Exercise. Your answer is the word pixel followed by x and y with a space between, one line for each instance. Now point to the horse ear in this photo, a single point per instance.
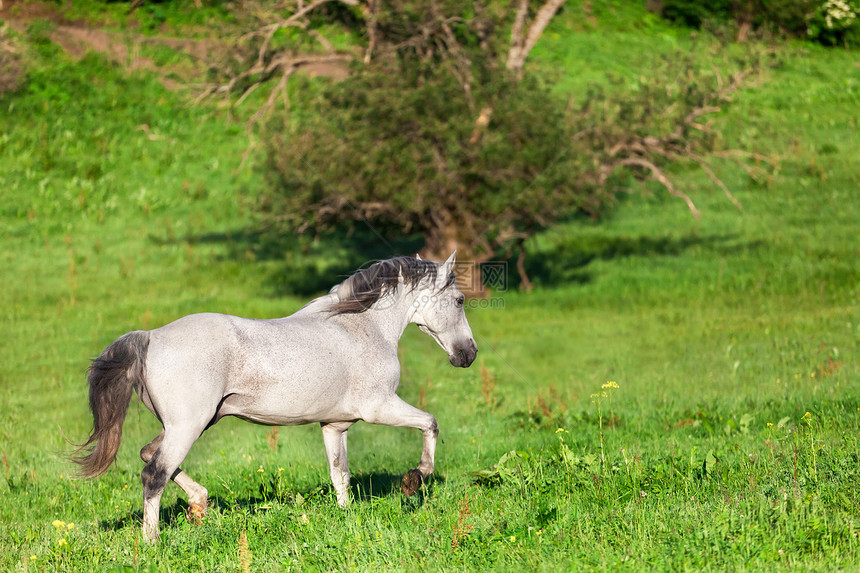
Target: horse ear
pixel 447 267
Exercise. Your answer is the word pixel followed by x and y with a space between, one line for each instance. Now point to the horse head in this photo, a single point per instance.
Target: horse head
pixel 439 312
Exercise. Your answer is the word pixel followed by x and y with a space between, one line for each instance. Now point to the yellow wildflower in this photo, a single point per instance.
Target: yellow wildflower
pixel 58 524
pixel 611 385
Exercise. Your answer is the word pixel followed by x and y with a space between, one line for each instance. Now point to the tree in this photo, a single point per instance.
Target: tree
pixel 440 130
pixel 437 133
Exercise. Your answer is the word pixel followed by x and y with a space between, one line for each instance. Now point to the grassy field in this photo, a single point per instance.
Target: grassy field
pixel 730 442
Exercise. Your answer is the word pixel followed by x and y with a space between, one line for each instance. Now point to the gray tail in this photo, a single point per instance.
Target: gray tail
pixel 112 376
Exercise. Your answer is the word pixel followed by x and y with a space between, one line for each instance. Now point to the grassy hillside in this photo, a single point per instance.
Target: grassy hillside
pixel 731 441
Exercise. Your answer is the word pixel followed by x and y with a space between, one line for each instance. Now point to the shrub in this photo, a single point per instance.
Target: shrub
pixel 829 22
pixel 835 22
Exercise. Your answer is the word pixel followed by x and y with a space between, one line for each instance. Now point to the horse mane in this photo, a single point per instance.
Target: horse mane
pixel 363 288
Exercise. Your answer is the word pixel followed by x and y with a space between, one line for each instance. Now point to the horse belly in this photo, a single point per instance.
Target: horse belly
pixel 275 410
pixel 289 397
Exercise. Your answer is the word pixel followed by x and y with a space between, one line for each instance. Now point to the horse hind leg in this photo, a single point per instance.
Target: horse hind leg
pixel 198 496
pixel 164 454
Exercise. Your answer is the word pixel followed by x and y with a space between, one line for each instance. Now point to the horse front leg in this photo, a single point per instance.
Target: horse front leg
pixel 334 438
pixel 396 412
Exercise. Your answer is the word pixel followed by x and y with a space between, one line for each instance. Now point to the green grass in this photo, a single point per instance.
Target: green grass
pixel 721 334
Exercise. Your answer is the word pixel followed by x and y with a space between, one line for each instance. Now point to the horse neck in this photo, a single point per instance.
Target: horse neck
pixel 391 316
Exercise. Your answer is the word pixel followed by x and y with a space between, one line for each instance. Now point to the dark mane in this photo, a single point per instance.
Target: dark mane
pixel 363 288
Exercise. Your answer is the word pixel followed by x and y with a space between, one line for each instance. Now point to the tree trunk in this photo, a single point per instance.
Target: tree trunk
pixel 654 6
pixel 525 283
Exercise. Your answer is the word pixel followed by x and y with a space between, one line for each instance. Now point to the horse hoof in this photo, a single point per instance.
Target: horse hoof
pixel 195 513
pixel 411 482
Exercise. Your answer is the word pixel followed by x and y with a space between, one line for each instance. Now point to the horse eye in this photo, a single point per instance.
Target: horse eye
pixel 461 300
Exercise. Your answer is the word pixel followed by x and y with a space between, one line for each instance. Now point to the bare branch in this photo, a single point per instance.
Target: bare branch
pixel 371 23
pixel 286 65
pixel 463 66
pixel 520 48
pixel 661 178
pixel 542 20
pixel 245 95
pixel 322 40
pixel 481 124
pixel 294 20
pixel 267 107
pixel 518 32
pixel 735 153
pixel 719 182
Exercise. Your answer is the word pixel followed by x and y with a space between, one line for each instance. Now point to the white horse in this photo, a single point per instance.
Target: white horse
pixel 333 362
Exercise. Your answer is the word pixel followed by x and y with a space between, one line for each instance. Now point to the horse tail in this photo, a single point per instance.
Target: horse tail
pixel 112 377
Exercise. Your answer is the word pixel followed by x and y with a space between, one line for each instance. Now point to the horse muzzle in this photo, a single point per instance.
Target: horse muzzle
pixel 464 354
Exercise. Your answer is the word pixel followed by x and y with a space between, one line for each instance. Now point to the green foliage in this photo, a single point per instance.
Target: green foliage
pixel 829 22
pixel 694 14
pixel 787 16
pixel 400 152
pixel 154 16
